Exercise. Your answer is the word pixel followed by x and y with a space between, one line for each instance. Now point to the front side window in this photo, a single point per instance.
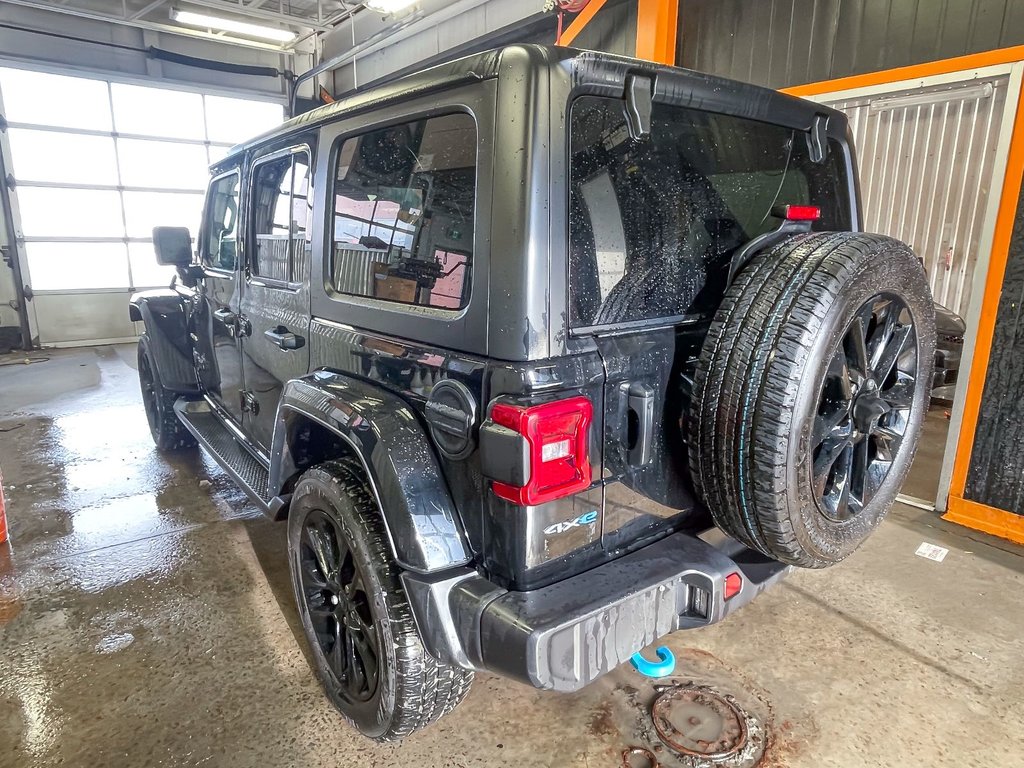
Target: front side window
pixel 282 211
pixel 653 223
pixel 404 201
pixel 220 230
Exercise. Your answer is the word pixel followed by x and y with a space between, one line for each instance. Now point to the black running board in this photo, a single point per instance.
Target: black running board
pixel 228 450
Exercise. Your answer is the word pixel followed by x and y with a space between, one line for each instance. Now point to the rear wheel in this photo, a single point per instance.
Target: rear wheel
pixel 810 393
pixel 168 432
pixel 364 642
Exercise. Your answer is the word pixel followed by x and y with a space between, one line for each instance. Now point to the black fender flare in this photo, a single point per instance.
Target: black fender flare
pixel 165 314
pixel 401 466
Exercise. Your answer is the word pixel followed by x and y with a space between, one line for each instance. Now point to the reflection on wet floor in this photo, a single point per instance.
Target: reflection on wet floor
pixel 146 619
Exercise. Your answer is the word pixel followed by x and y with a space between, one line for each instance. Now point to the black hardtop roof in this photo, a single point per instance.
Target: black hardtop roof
pixel 702 90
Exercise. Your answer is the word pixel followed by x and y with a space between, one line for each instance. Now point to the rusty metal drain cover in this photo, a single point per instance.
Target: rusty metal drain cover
pixel 699 722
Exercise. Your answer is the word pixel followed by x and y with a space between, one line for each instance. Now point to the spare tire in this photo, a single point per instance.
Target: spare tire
pixel 810 393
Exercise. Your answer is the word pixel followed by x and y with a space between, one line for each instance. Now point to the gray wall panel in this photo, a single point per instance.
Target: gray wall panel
pixel 788 42
pixel 613 29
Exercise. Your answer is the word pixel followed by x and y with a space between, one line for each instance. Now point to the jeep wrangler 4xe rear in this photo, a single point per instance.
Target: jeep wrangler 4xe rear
pixel 543 354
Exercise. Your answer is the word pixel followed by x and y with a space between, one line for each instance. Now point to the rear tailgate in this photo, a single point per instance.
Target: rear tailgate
pixel 653 224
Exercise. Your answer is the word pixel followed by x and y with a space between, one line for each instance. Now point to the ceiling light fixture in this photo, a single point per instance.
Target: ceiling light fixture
pixel 388 6
pixel 230 25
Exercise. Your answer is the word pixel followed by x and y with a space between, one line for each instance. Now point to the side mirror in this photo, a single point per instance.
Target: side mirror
pixel 173 246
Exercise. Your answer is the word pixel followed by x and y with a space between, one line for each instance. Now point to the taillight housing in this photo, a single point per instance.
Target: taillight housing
pixel 556 453
pixel 798 212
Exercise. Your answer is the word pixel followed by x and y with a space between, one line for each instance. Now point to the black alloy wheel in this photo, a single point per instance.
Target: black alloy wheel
pixel 150 396
pixel 864 408
pixel 169 434
pixel 339 607
pixel 364 642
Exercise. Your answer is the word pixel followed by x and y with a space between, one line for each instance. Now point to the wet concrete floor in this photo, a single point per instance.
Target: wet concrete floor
pixel 146 620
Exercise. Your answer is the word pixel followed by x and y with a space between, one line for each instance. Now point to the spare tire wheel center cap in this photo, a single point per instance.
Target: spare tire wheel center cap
pixel 868 409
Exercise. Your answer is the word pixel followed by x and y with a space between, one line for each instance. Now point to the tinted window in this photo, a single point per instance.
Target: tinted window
pixel 403 213
pixel 282 210
pixel 220 239
pixel 653 223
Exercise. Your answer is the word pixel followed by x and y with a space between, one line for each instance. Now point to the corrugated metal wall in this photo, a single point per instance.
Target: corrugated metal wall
pixel 352 269
pixel 926 171
pixel 789 42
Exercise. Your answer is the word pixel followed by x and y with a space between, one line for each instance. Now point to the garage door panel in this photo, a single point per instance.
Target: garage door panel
pixel 63 157
pixel 83 317
pixel 60 212
pixel 140 109
pixel 95 170
pixel 162 164
pixel 76 266
pixel 83 103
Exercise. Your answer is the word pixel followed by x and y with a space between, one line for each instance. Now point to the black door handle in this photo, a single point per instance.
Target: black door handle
pixel 284 338
pixel 640 399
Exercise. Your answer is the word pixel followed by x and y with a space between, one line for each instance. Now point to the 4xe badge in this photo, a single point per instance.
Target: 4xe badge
pixel 567 525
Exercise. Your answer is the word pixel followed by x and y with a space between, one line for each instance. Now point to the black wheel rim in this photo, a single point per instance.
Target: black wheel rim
pixel 149 395
pixel 335 597
pixel 864 408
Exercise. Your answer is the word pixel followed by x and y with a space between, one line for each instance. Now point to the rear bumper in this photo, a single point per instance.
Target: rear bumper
pixel 566 635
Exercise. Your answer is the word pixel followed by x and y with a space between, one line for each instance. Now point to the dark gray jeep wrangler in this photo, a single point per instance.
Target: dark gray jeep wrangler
pixel 543 354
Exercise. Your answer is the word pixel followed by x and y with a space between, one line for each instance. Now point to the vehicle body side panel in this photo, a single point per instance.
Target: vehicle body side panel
pixel 400 463
pixel 520 260
pixel 269 305
pixel 465 329
pixel 525 547
pixel 166 314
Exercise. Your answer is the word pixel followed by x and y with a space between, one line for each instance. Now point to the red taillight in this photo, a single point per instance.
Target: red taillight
pixel 733 585
pixel 556 434
pixel 801 212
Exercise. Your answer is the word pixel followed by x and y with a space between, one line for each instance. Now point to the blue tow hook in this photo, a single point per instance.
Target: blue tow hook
pixel 662 668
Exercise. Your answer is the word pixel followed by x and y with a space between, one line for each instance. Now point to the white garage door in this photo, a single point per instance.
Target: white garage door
pixel 96 165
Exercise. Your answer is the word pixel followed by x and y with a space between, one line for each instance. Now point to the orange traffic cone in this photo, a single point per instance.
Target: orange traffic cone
pixel 10 605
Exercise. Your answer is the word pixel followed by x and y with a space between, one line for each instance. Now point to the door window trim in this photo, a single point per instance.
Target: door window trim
pixel 251 278
pixel 339 297
pixel 201 242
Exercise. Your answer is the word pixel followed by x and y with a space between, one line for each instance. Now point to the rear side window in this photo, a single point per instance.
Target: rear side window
pixel 282 212
pixel 220 229
pixel 403 213
pixel 652 223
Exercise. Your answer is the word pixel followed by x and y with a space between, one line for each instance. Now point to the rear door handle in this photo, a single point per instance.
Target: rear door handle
pixel 284 338
pixel 640 401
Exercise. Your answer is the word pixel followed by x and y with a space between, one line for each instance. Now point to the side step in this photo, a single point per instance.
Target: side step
pixel 227 450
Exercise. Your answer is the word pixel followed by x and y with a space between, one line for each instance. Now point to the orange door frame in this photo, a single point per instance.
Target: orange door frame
pixel 657 27
pixel 960 510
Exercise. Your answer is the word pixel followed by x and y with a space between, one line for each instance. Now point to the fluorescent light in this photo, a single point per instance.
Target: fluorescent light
pixel 980 91
pixel 388 6
pixel 230 25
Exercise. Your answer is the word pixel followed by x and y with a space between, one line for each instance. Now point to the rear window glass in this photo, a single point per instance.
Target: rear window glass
pixel 403 213
pixel 652 223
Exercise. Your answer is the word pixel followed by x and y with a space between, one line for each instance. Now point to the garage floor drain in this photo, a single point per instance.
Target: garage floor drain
pixel 699 722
